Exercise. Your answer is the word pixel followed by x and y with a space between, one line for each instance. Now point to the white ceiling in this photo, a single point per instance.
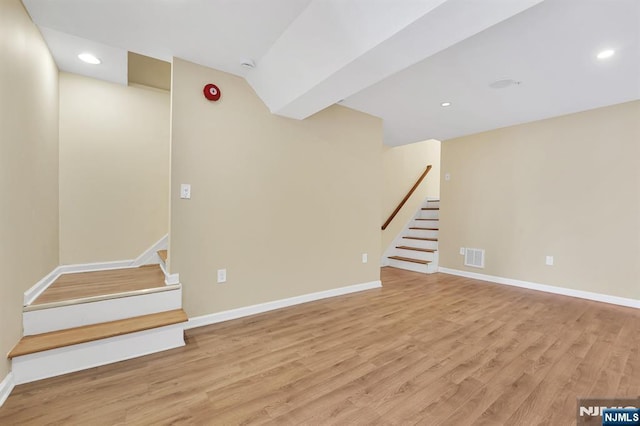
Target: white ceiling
pixel 551 48
pixel 396 59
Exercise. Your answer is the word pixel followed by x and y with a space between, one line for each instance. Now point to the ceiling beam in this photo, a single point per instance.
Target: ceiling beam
pixel 336 48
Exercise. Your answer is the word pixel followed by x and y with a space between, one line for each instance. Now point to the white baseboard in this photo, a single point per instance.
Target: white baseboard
pixel 150 256
pixel 55 362
pixel 37 289
pixel 598 297
pixel 6 386
pixel 277 304
pixel 97 266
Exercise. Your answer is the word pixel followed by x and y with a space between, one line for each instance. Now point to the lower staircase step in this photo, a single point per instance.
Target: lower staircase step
pixel 416 249
pixel 431 208
pixel 408 259
pixel 423 229
pixel 73 336
pixel 100 283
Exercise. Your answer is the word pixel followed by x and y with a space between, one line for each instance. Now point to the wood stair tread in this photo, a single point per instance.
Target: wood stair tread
pixel 431 208
pixel 424 229
pixel 88 333
pixel 427 219
pixel 409 259
pixel 100 283
pixel 163 255
pixel 416 249
pixel 421 239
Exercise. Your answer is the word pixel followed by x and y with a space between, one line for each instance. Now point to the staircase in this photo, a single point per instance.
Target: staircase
pixel 86 319
pixel 416 248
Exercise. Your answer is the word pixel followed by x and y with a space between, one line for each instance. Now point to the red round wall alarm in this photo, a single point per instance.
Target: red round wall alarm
pixel 211 92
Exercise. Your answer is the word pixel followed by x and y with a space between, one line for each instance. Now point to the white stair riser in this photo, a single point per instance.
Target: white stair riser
pixel 410 266
pixel 413 254
pixel 428 214
pixel 64 317
pixel 422 233
pixel 419 243
pixel 415 267
pixel 55 362
pixel 426 223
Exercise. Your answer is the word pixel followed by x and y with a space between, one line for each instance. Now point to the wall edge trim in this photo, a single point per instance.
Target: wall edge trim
pixel 150 255
pixel 245 311
pixel 6 386
pixel 581 294
pixel 36 290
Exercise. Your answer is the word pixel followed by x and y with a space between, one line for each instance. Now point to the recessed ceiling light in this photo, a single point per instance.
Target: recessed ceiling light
pixel 89 58
pixel 605 54
pixel 445 104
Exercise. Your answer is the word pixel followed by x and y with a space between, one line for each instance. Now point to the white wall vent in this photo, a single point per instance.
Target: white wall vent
pixel 474 257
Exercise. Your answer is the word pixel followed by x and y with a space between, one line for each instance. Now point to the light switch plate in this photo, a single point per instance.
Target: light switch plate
pixel 185 191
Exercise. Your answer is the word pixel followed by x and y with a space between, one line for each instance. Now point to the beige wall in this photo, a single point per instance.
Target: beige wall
pixel 114 169
pixel 287 206
pixel 28 167
pixel 567 187
pixel 401 168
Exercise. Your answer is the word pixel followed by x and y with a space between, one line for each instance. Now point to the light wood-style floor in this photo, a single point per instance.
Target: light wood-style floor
pixel 426 349
pixel 74 286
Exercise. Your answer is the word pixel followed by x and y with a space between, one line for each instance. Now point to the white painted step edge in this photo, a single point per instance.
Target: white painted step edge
pixel 55 362
pixel 105 310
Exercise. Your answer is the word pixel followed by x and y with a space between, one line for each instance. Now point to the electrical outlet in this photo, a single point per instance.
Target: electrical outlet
pixel 222 275
pixel 462 251
pixel 549 261
pixel 365 258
